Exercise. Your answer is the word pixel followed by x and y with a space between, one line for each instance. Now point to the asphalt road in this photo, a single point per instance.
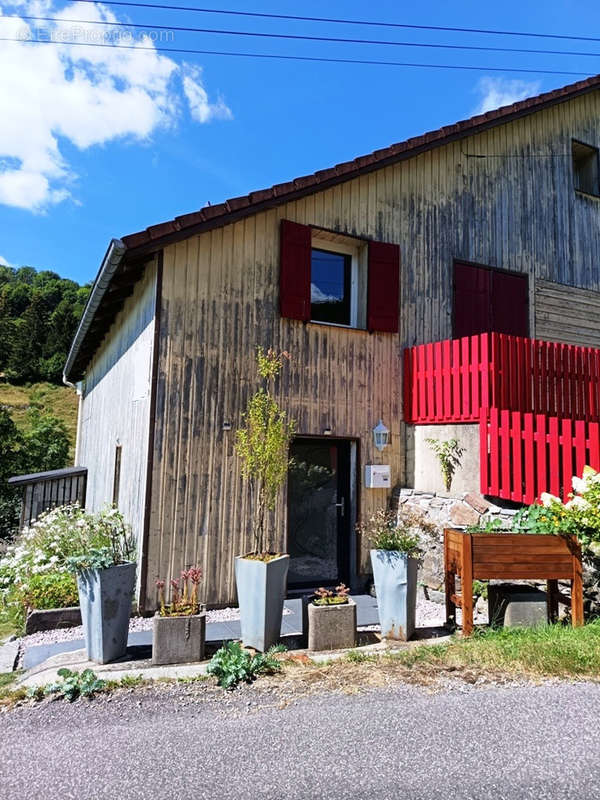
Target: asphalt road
pixel 502 742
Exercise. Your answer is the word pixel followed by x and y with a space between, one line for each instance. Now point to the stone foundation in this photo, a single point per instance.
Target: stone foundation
pixel 438 511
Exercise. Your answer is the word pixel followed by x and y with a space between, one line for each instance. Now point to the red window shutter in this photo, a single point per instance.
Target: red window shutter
pixel 472 300
pixel 294 270
pixel 510 303
pixel 383 287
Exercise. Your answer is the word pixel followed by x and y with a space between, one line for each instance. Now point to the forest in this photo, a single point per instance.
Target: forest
pixel 39 313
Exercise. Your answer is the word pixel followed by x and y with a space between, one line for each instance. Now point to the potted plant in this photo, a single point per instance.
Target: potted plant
pixel 263 447
pixel 179 627
pixel 106 573
pixel 394 557
pixel 331 619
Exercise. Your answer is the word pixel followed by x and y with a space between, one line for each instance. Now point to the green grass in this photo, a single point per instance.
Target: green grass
pixel 549 650
pixel 6 628
pixel 61 401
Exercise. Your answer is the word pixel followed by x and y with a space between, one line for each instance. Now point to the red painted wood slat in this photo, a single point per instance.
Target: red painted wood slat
pixel 529 459
pixel 554 456
pixel 567 458
pixel 516 456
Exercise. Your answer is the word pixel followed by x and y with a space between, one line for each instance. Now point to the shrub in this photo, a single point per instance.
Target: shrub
pixel 48 547
pixel 76 684
pixel 385 531
pixel 449 455
pixel 231 664
pixel 52 590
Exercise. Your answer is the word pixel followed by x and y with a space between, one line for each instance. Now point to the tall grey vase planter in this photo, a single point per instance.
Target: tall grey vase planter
pixel 105 597
pixel 261 588
pixel 395 576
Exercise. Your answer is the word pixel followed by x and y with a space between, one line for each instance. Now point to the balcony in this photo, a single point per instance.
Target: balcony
pixel 537 404
pixel 453 380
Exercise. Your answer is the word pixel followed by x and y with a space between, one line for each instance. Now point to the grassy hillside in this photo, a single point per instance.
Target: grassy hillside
pixel 61 401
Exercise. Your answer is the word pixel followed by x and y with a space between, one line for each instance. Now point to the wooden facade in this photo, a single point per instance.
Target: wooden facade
pixel 114 407
pixel 503 198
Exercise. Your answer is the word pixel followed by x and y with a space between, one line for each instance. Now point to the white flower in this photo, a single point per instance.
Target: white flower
pixel 548 499
pixel 577 502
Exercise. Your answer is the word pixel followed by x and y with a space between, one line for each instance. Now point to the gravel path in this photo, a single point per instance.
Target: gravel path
pixel 135 624
pixel 469 743
pixel 429 615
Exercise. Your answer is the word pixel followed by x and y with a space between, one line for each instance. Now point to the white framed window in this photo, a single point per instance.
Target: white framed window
pixel 338 280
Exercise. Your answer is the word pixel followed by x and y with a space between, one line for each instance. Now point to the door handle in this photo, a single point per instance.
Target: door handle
pixel 341 506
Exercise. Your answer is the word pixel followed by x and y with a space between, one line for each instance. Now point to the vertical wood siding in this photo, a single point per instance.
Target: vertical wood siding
pixel 115 406
pixel 515 209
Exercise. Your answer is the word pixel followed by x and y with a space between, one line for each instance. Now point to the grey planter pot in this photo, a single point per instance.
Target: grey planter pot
pixel 332 627
pixel 179 640
pixel 395 576
pixel 105 597
pixel 261 588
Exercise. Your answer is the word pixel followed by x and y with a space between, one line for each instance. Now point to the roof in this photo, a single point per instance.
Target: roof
pixel 114 285
pixel 209 217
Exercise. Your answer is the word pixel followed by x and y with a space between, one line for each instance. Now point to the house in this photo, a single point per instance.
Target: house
pixel 488 225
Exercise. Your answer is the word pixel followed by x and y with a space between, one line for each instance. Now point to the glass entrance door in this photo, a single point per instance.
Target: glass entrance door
pixel 319 512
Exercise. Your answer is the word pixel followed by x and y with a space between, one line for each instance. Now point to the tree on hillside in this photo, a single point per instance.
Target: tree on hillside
pixel 43 446
pixel 10 464
pixel 39 314
pixel 29 338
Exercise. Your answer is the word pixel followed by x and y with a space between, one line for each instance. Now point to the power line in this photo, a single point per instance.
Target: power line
pixel 371 62
pixel 302 37
pixel 337 21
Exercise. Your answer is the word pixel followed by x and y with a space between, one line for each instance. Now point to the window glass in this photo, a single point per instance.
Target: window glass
pixel 330 276
pixel 585 168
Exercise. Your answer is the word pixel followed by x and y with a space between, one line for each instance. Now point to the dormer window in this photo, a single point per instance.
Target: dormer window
pixel 585 168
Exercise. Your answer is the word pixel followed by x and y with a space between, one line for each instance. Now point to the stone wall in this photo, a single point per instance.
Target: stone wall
pixel 438 511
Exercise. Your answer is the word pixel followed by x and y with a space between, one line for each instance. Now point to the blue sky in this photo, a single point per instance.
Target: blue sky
pixel 96 143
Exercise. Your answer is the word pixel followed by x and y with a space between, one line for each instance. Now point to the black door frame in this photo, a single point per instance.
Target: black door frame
pixel 347 539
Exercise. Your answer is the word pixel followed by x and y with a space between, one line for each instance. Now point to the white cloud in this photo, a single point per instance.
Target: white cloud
pixel 53 94
pixel 200 107
pixel 498 92
pixel 4 262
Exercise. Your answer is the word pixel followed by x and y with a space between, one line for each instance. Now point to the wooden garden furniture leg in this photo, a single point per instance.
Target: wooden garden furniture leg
pixel 577 594
pixel 449 585
pixel 466 586
pixel 552 600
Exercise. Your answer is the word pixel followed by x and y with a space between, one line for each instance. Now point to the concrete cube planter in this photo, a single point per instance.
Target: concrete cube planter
pixel 261 588
pixel 105 597
pixel 395 576
pixel 179 640
pixel 332 627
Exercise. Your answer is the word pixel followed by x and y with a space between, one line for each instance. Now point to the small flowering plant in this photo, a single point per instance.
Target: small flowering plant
pixel 331 597
pixel 184 594
pixel 580 514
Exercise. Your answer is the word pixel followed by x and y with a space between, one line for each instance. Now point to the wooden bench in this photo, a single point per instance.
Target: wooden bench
pixel 511 556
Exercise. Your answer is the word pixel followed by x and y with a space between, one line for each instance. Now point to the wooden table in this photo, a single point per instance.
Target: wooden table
pixel 511 556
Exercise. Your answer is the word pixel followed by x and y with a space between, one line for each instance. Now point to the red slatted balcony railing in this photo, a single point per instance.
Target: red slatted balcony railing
pixel 454 380
pixel 523 455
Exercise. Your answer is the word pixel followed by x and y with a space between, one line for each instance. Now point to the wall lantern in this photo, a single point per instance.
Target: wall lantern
pixel 381 435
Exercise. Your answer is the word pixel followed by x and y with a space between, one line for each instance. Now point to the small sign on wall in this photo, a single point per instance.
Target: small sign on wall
pixel 377 476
